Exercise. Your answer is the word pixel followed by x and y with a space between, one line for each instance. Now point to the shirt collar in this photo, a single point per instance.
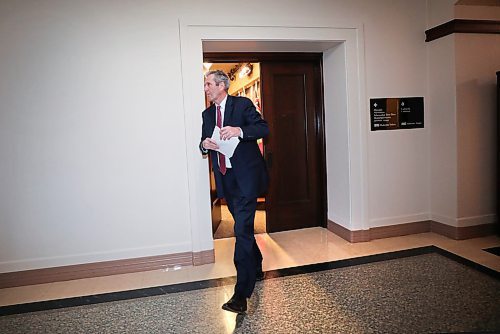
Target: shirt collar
pixel 223 103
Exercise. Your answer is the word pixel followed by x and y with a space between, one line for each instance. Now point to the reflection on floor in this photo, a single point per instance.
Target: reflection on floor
pixel 280 250
pixel 226 227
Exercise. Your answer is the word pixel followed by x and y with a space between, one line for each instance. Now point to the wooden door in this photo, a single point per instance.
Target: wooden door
pixel 293 107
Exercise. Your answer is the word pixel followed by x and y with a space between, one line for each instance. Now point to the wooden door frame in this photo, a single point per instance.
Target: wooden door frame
pixel 256 57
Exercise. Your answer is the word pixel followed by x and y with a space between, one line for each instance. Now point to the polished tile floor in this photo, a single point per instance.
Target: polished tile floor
pixel 280 250
pixel 226 226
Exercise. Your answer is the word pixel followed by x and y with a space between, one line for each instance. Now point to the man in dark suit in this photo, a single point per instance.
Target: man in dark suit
pixel 239 179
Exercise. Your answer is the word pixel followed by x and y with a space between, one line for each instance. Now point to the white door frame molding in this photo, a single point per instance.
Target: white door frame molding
pixel 192 36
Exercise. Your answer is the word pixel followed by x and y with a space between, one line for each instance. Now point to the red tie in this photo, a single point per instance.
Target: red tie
pixel 221 157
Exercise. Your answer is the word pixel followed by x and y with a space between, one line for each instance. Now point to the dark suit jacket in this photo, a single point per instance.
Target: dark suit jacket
pixel 247 162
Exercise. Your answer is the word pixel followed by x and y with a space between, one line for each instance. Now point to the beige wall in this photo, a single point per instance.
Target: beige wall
pixel 462 98
pixel 476 11
pixel 477 61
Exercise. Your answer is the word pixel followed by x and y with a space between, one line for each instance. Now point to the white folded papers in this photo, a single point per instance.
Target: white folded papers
pixel 227 146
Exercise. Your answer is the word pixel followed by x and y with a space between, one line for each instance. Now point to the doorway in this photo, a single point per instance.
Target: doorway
pixel 345 103
pixel 289 93
pixel 244 81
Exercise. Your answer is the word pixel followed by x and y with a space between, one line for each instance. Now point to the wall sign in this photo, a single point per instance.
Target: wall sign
pixel 397 113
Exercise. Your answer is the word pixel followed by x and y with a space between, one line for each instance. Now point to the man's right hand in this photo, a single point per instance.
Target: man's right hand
pixel 210 144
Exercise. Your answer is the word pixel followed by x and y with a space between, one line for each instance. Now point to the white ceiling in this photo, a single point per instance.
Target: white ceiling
pixel 267 46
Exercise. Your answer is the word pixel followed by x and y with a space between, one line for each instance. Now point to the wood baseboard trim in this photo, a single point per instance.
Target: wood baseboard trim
pixel 462 233
pixel 204 257
pixel 106 268
pixel 346 234
pixel 457 233
pixel 399 230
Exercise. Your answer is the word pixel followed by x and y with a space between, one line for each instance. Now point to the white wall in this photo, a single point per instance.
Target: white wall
pixel 91 123
pixel 93 116
pixel 439 12
pixel 398 159
pixel 443 127
pixel 337 136
pixel 442 117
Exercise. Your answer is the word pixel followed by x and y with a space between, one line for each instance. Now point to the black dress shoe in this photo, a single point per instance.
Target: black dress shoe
pixel 236 305
pixel 259 276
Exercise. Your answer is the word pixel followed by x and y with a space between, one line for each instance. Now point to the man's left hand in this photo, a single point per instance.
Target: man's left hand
pixel 228 132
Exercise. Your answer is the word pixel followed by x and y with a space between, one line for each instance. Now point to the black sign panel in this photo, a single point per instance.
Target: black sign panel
pixel 397 113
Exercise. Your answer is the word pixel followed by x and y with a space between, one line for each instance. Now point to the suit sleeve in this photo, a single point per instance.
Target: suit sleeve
pixel 204 135
pixel 254 126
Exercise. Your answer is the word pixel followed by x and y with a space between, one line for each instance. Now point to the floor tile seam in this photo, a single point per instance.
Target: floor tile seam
pixel 184 286
pixel 194 285
pixel 468 262
pixel 475 255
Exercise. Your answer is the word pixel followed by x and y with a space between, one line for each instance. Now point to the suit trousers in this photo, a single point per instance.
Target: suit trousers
pixel 247 255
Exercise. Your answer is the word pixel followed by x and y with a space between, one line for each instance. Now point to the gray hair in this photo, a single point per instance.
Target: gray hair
pixel 219 76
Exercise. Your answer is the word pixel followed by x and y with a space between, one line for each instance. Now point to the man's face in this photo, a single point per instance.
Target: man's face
pixel 215 93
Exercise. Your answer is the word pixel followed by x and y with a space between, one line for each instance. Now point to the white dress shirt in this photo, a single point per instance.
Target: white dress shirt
pixel 222 110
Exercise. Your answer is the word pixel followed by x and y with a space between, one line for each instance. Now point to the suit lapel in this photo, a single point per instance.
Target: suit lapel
pixel 211 116
pixel 228 112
